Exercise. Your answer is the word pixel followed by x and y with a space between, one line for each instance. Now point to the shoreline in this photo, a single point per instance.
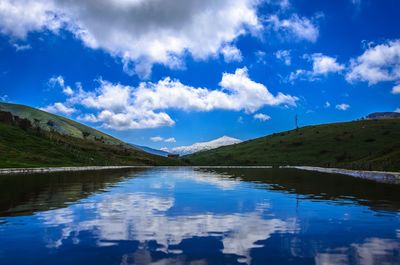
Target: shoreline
pixel 378 176
pixel 6 171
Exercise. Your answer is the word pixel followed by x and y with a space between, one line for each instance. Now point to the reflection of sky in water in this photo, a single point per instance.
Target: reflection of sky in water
pixel 180 216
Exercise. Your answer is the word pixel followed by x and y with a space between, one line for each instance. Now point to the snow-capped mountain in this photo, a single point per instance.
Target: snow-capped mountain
pixel 202 146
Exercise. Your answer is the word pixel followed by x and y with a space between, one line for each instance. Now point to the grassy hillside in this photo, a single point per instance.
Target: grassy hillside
pixel 35 146
pixel 51 122
pixel 367 144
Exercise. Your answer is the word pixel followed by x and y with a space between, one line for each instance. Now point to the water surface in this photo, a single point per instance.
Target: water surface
pixel 188 216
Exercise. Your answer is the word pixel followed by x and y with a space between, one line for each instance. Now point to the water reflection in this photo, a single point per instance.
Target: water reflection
pixel 28 193
pixel 183 216
pixel 322 186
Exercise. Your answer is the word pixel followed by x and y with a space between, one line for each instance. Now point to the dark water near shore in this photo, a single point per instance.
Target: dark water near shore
pixel 185 216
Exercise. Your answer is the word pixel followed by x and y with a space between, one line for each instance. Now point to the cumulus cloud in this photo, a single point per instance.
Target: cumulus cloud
pixel 378 63
pixel 59 108
pixel 322 65
pixel 141 33
pixel 300 28
pixel 231 54
pixel 18 18
pixel 342 106
pixel 162 139
pixel 284 56
pixel 156 139
pixel 125 107
pixel 396 89
pixel 59 81
pixel 202 146
pixel 170 140
pixel 327 104
pixel 262 117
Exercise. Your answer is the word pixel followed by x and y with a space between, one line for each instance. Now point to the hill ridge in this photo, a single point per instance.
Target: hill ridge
pixel 363 144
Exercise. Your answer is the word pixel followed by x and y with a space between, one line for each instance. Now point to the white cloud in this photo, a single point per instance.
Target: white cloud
pixel 300 28
pixel 396 89
pixel 125 107
pixel 162 139
pixel 18 18
pixel 231 54
pixel 144 33
pixel 284 56
pixel 157 139
pixel 322 65
pixel 327 104
pixel 143 217
pixel 202 146
pixel 397 110
pixel 260 56
pixel 59 108
pixel 366 252
pixel 170 140
pixel 261 117
pixel 377 64
pixel 4 98
pixel 88 118
pixel 59 81
pixel 342 106
pixel 22 47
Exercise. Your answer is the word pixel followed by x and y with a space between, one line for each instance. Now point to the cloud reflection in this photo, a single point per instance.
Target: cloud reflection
pixel 144 217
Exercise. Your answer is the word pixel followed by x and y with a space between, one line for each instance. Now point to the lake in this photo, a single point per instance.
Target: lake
pixel 198 216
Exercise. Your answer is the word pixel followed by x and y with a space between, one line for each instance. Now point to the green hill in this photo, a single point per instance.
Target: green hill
pixel 365 144
pixel 33 138
pixel 51 122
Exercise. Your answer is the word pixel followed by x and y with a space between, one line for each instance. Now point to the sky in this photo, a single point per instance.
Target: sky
pixel 172 73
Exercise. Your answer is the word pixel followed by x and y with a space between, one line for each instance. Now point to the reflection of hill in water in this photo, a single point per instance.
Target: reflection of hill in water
pixel 322 186
pixel 26 194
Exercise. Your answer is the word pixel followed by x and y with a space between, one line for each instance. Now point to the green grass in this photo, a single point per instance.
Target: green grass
pixel 64 143
pixel 367 144
pixel 61 125
pixel 19 148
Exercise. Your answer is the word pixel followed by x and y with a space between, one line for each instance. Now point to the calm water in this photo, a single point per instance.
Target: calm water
pixel 186 216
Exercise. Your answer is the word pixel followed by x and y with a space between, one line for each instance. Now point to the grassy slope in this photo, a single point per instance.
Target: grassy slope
pixel 369 144
pixel 65 145
pixel 61 125
pixel 19 148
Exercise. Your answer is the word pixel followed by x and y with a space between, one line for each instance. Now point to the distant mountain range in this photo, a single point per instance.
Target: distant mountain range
pixel 151 150
pixel 203 146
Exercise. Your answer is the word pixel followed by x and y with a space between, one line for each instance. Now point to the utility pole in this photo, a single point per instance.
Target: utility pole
pixel 296 122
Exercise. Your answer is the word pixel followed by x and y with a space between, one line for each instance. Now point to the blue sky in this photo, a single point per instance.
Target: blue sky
pixel 172 73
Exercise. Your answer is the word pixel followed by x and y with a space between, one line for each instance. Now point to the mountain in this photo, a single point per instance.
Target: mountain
pixel 150 150
pixel 365 144
pixel 383 115
pixel 34 138
pixel 202 146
